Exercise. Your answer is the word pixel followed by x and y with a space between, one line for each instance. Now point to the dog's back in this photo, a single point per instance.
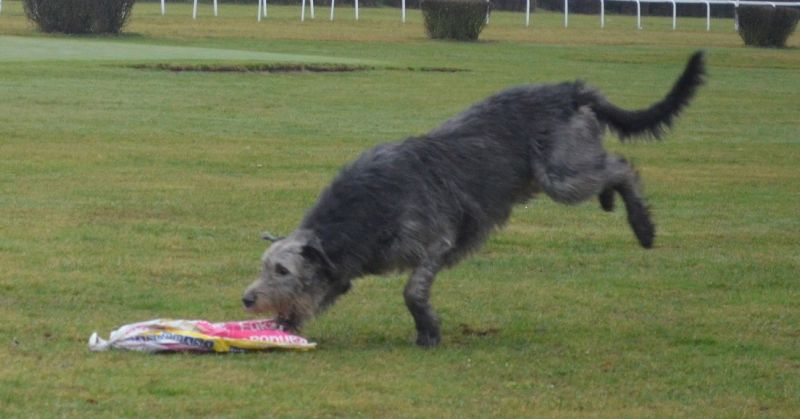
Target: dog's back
pixel 453 186
pixel 385 210
pixel 532 112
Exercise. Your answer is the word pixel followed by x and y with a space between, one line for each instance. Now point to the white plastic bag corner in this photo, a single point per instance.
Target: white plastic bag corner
pixel 97 344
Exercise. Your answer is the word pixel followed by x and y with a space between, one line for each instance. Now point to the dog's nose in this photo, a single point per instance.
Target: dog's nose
pixel 248 301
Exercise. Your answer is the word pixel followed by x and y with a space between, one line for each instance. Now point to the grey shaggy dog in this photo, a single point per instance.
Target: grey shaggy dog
pixel 425 203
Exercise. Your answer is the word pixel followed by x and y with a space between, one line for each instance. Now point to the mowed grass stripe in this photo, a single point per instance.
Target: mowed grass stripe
pixel 22 49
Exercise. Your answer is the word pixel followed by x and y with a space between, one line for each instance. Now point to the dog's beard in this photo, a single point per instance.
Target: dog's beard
pixel 290 312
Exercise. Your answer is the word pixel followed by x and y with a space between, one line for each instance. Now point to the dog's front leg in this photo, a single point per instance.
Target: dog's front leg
pixel 417 294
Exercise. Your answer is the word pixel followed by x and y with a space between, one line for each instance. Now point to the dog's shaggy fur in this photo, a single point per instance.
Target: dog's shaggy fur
pixel 425 203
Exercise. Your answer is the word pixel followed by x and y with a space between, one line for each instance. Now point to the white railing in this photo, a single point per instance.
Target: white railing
pixel 355 4
pixel 708 3
pixel 303 10
pixel 262 9
pixel 194 8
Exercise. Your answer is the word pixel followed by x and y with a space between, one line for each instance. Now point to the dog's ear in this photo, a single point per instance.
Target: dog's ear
pixel 270 237
pixel 313 251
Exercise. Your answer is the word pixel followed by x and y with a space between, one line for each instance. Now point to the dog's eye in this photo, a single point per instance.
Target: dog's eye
pixel 281 270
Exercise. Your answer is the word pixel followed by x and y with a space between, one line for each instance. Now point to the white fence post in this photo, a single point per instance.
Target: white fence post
pixel 566 13
pixel 303 10
pixel 403 17
pixel 356 8
pixel 163 7
pixel 262 9
pixel 674 14
pixel 194 9
pixel 602 14
pixel 638 15
pixel 527 13
pixel 708 16
pixel 332 2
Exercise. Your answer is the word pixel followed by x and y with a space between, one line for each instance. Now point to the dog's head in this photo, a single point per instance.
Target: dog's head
pixel 297 280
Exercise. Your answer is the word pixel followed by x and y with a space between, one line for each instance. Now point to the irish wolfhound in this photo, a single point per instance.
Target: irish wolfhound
pixel 426 202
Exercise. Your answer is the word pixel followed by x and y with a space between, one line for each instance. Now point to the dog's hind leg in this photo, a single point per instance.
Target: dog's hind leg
pixel 578 168
pixel 624 180
pixel 617 176
pixel 417 295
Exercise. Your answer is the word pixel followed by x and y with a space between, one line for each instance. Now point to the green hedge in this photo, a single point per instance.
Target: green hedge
pixel 79 16
pixel 767 26
pixel 461 20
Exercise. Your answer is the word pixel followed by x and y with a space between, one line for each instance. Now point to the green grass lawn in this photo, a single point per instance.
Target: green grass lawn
pixel 128 194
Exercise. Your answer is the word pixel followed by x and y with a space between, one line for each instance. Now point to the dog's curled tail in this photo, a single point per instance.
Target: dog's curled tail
pixel 656 119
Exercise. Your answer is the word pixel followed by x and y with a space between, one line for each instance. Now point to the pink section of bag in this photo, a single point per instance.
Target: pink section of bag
pixel 170 335
pixel 247 330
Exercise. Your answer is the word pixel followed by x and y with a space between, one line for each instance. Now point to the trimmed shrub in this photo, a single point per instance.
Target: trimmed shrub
pixel 79 16
pixel 461 20
pixel 767 26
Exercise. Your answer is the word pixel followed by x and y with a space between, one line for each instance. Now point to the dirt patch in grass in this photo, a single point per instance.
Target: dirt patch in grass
pixel 281 68
pixel 468 330
pixel 437 69
pixel 253 68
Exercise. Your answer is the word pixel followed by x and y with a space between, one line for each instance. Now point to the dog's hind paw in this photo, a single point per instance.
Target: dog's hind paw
pixel 643 227
pixel 606 199
pixel 428 340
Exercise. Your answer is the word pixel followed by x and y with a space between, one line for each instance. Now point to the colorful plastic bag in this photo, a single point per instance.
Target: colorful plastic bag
pixel 167 335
